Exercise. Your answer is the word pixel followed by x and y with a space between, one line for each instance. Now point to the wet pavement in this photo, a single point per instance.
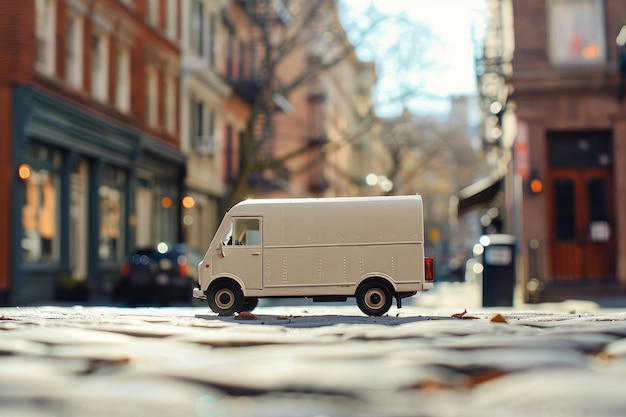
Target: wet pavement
pixel 312 361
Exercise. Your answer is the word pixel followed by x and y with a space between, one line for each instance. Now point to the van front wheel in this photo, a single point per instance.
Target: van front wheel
pixel 374 298
pixel 225 298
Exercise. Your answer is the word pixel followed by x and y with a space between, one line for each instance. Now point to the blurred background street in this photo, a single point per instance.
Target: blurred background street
pixel 129 127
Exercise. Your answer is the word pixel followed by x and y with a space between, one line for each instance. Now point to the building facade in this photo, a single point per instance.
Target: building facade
pixel 551 78
pixel 122 123
pixel 327 124
pixel 89 115
pixel 568 91
pixel 202 94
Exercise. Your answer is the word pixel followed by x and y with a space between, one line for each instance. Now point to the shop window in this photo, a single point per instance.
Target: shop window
pixel 40 212
pixel 112 203
pixel 165 213
pixel 576 32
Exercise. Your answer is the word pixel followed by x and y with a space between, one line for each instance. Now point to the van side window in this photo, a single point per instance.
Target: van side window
pixel 245 232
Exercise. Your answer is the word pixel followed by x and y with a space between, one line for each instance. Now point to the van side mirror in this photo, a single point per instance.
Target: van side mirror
pixel 221 249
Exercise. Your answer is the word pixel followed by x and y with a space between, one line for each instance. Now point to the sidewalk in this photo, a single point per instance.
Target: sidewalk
pixel 469 295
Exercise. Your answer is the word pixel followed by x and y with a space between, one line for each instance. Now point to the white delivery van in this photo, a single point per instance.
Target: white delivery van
pixel 327 249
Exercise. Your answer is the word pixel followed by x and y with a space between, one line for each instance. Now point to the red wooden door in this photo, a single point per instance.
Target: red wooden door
pixel 582 227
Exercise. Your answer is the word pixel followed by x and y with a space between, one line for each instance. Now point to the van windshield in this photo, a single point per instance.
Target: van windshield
pixel 229 234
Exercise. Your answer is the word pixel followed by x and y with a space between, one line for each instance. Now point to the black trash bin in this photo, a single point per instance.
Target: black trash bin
pixel 499 274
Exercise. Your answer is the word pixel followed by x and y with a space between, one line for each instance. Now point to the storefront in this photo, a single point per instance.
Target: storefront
pixel 76 197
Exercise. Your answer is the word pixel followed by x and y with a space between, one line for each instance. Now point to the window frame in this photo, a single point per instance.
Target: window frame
pixel 171 20
pixel 152 96
pixel 557 29
pixel 45 31
pixel 169 103
pixel 100 66
pixel 43 158
pixel 74 51
pixel 123 74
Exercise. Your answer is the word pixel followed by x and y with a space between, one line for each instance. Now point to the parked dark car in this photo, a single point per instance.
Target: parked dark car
pixel 155 275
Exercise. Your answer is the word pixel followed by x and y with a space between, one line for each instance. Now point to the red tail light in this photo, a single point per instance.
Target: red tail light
pixel 125 269
pixel 429 269
pixel 183 267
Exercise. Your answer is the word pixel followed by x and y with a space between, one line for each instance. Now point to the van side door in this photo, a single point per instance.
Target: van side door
pixel 243 252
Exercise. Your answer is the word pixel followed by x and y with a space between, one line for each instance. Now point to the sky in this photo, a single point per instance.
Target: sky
pixel 454 24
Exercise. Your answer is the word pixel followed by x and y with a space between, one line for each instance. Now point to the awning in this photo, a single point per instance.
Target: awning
pixel 480 193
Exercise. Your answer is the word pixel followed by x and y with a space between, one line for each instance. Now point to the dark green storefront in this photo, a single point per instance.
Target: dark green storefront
pixel 74 206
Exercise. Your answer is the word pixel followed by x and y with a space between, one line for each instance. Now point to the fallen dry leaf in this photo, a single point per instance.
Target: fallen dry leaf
pixel 429 385
pixel 486 375
pixel 459 315
pixel 245 315
pixel 498 318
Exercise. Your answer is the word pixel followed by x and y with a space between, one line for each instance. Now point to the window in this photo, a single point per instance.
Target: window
pixel 196 34
pixel 229 152
pixel 576 32
pixel 99 66
pixel 40 212
pixel 152 96
pixel 74 51
pixel 122 88
pixel 112 200
pixel 564 209
pixel 243 232
pixel 211 40
pixel 153 12
pixel 196 110
pixel 172 19
pixel 45 34
pixel 170 104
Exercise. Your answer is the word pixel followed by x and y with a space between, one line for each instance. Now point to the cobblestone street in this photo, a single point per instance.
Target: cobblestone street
pixel 311 361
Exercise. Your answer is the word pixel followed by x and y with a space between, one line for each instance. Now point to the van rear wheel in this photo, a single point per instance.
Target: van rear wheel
pixel 374 298
pixel 225 298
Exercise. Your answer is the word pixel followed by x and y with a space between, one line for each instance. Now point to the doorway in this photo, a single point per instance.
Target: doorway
pixel 581 207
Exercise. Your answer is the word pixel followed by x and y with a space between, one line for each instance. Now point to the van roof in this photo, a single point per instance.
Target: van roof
pixel 310 200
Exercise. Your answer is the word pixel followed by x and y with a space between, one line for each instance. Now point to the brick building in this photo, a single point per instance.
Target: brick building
pixel 566 78
pixel 326 115
pixel 552 84
pixel 89 119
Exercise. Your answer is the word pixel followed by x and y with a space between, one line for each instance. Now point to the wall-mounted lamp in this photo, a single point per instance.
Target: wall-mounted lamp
pixel 24 171
pixel 535 183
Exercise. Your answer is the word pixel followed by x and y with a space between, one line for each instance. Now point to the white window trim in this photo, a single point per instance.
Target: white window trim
pixel 100 86
pixel 122 87
pixel 74 68
pixel 45 31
